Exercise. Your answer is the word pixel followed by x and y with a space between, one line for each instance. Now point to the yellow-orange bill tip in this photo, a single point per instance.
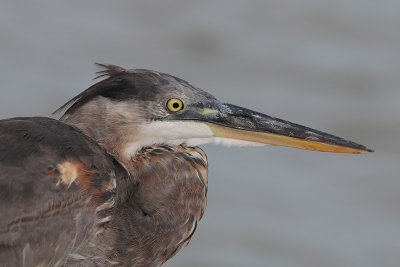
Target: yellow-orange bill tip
pixel 282 140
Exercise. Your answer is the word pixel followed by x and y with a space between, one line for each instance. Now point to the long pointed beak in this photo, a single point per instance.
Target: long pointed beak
pixel 230 121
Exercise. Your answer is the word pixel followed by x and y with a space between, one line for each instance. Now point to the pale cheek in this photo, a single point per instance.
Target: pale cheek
pixel 221 141
pixel 175 133
pixel 235 142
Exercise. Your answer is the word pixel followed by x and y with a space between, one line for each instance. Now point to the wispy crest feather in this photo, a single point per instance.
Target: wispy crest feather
pixel 108 72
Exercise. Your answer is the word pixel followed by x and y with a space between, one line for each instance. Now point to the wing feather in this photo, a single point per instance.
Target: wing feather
pixel 51 178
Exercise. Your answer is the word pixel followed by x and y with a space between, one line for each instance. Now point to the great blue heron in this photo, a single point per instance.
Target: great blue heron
pixel 119 180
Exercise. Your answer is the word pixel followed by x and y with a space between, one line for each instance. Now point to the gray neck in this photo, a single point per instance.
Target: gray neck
pixel 109 123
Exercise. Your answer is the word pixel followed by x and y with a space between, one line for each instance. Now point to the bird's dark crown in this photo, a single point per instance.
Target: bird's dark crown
pixel 121 84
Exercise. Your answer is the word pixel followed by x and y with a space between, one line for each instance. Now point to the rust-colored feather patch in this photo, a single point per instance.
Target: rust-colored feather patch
pixel 93 183
pixel 67 171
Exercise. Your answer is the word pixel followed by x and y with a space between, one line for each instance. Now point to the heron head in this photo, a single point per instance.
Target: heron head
pixel 140 108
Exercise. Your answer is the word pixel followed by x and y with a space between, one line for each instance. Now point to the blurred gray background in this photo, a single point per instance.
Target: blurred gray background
pixel 331 65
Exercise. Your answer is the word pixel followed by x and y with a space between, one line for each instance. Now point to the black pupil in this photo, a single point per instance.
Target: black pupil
pixel 176 105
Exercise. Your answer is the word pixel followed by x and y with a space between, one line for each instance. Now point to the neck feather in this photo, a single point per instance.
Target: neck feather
pixel 109 123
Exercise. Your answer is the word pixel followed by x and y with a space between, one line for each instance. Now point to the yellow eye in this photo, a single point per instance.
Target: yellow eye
pixel 174 104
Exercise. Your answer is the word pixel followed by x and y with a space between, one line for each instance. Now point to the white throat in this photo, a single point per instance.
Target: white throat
pixel 175 133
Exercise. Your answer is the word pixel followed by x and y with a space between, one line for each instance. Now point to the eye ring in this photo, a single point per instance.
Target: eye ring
pixel 174 104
